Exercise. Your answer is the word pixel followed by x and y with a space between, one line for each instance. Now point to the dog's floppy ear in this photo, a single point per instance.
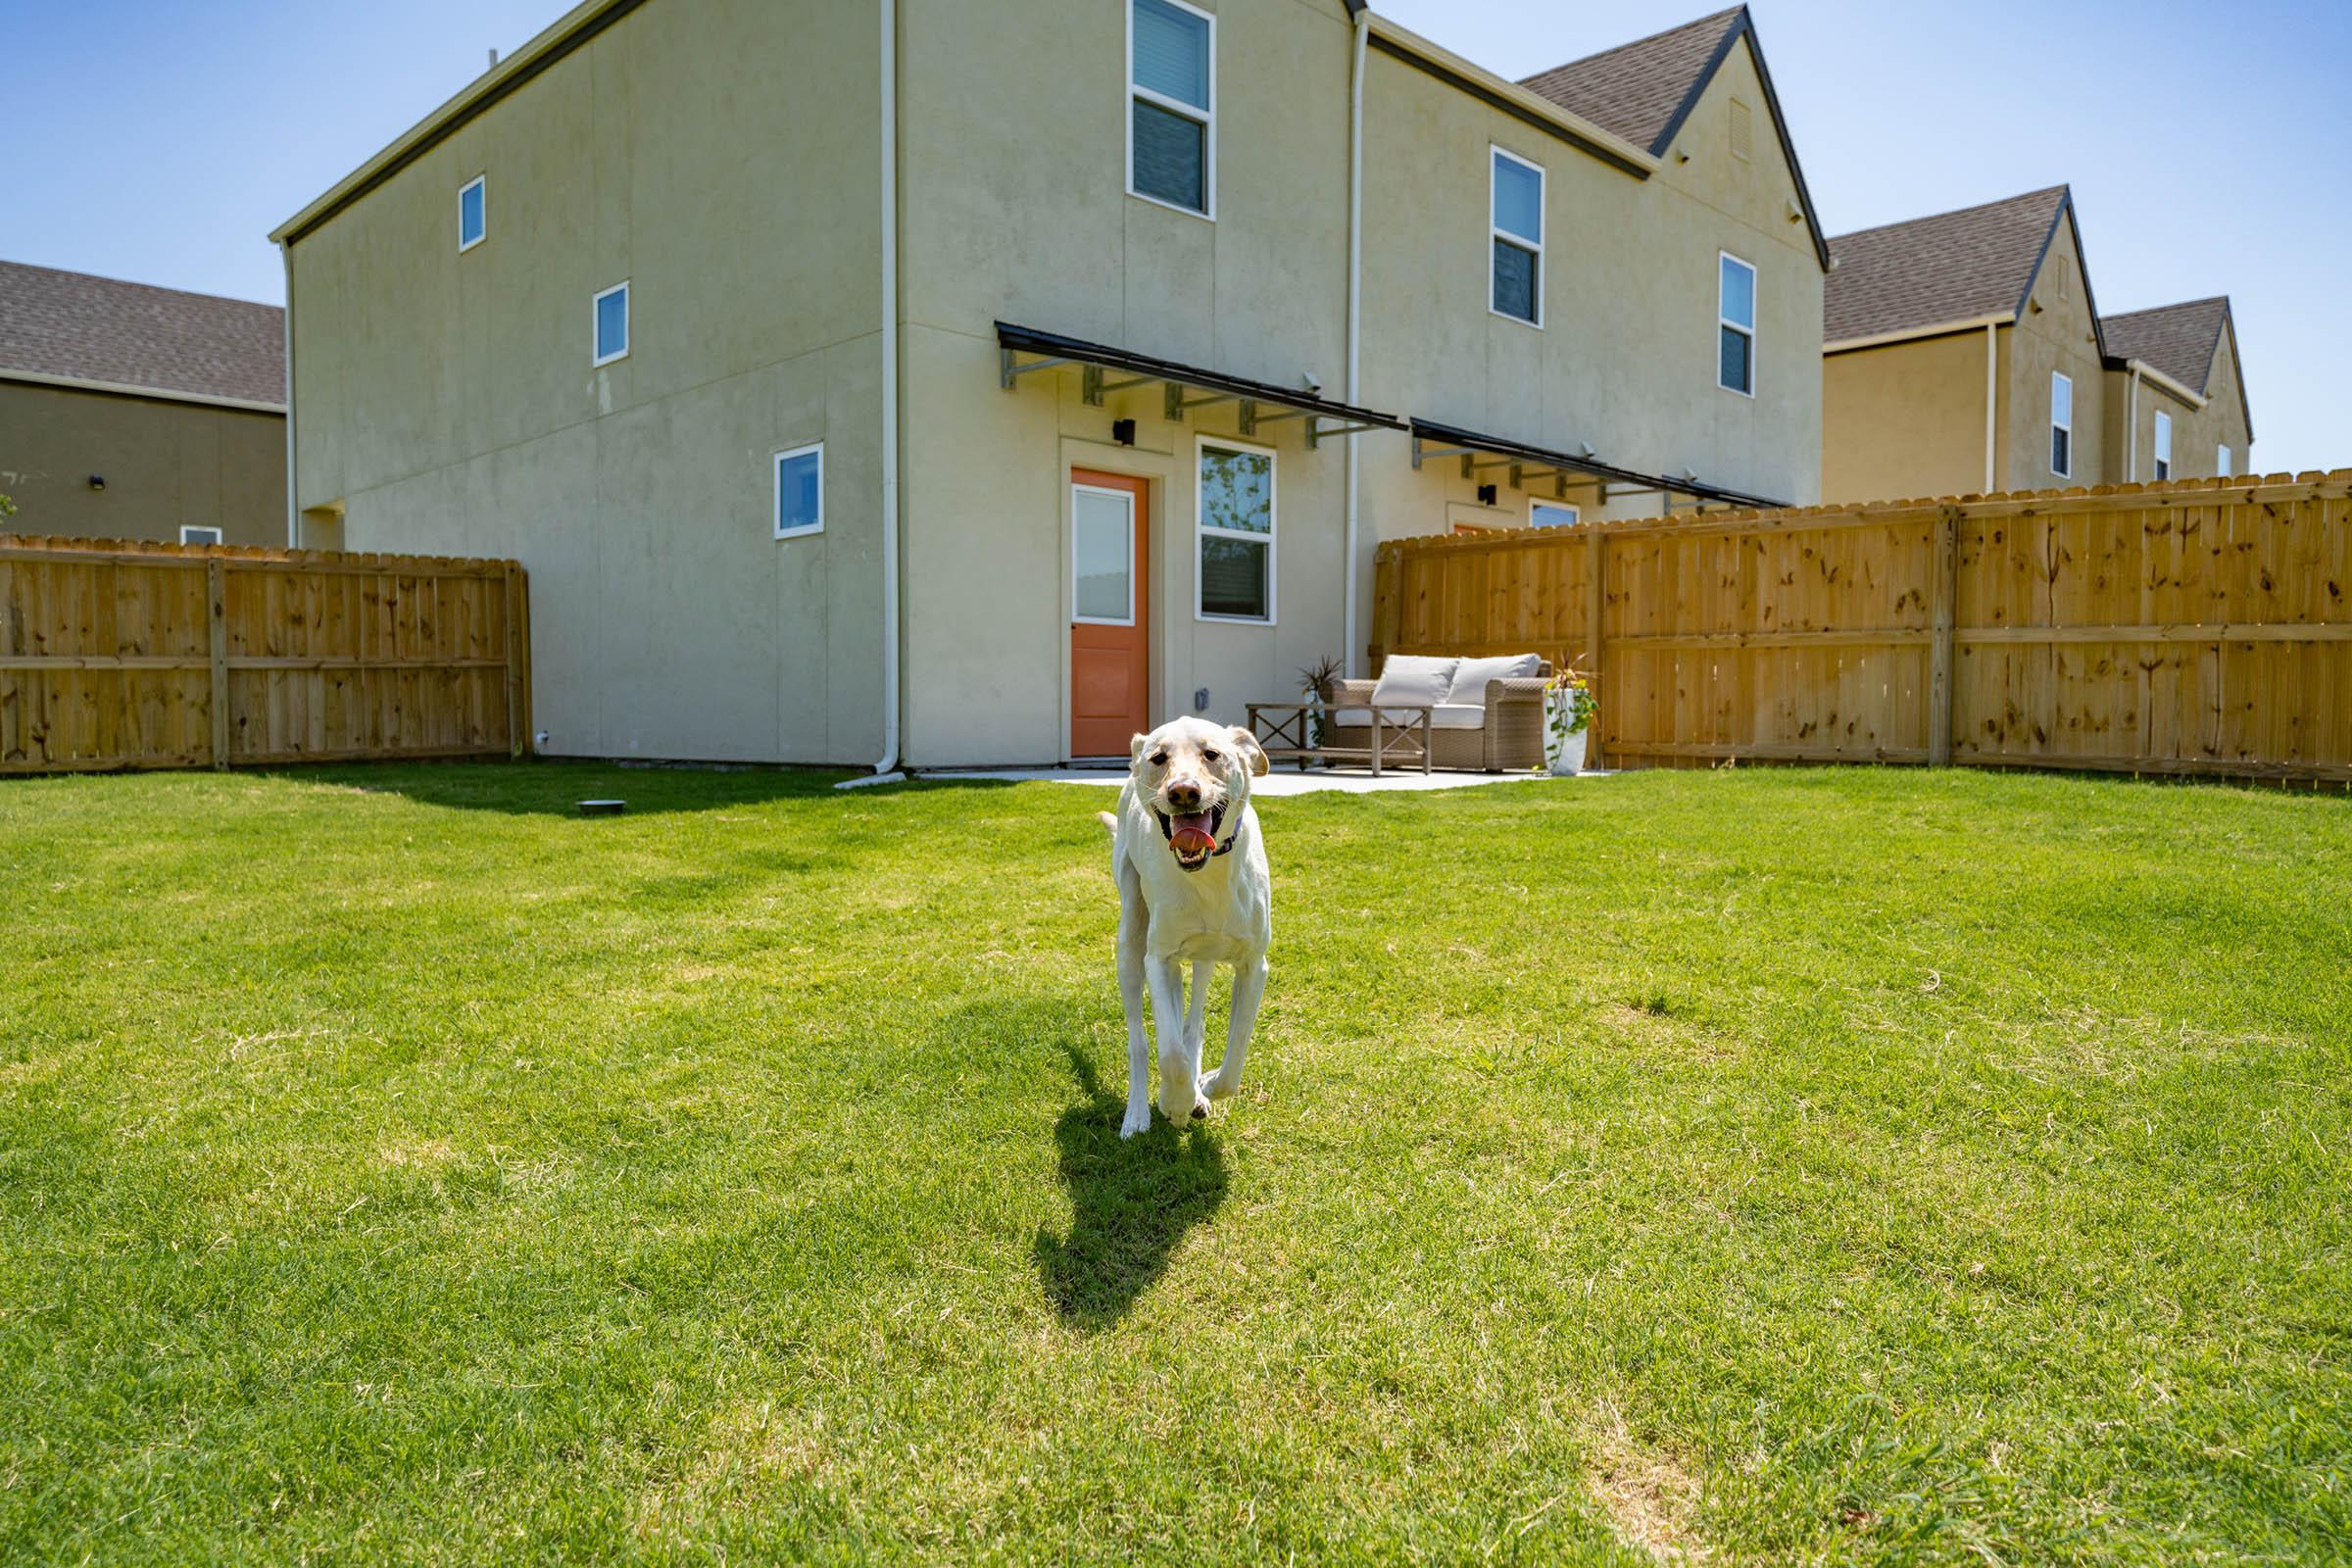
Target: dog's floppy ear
pixel 1244 741
pixel 1135 747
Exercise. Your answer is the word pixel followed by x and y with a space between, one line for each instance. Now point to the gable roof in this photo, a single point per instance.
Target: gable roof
pixel 1644 90
pixel 75 328
pixel 1948 268
pixel 2176 339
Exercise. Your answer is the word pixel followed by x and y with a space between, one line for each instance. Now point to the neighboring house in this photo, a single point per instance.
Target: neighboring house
pixel 1965 353
pixel 984 384
pixel 2177 406
pixel 135 413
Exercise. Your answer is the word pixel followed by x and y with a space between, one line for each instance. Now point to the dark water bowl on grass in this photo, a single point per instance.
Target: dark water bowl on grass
pixel 602 807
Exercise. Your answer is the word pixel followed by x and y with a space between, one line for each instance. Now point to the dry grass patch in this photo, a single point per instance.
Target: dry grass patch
pixel 1648 1495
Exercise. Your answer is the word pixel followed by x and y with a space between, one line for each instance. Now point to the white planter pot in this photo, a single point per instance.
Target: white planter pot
pixel 1568 756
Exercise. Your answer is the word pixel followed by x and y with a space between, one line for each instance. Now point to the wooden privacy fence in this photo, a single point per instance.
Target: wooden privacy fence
pixel 2201 626
pixel 118 654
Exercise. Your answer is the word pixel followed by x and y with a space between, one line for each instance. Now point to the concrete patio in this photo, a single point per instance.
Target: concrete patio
pixel 1281 781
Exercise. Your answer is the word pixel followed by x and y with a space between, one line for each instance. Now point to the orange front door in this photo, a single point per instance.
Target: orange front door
pixel 1111 684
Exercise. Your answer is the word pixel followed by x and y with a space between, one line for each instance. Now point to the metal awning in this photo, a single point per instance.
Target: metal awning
pixel 1107 369
pixel 1432 440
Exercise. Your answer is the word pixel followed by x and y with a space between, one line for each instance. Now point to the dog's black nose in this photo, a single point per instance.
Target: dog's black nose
pixel 1184 797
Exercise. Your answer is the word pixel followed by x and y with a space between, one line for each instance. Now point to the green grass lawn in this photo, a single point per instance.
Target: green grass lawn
pixel 1780 1165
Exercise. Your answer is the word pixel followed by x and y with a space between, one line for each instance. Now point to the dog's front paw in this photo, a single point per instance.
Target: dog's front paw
pixel 1139 1120
pixel 1200 1108
pixel 1219 1087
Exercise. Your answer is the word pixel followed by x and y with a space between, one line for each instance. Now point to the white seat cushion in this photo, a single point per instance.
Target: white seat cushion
pixel 1406 678
pixel 1444 715
pixel 1471 675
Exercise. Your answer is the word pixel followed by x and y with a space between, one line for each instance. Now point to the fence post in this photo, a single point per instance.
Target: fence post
pixel 1942 591
pixel 1597 585
pixel 216 595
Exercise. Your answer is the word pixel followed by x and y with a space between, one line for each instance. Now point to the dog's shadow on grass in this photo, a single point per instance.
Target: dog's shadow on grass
pixel 1131 1201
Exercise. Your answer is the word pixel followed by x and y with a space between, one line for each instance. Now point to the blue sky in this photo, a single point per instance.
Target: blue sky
pixel 2207 144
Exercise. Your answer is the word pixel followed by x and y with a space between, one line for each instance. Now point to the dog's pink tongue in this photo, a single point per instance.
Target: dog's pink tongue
pixel 1190 831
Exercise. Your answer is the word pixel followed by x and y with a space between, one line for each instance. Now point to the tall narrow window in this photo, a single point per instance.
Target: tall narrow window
pixel 1171 111
pixel 2163 445
pixel 1735 325
pixel 611 340
pixel 2220 461
pixel 1236 526
pixel 800 491
pixel 474 215
pixel 1517 236
pixel 2062 425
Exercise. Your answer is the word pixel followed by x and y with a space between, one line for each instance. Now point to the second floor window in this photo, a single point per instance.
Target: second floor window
pixel 1735 325
pixel 611 339
pixel 2062 425
pixel 1517 236
pixel 2163 445
pixel 1171 109
pixel 473 216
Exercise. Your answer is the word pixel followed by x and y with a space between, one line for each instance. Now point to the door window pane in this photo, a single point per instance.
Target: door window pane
pixel 1102 548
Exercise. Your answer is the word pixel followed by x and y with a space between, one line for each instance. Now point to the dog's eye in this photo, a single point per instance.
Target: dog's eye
pixel 1159 758
pixel 1208 756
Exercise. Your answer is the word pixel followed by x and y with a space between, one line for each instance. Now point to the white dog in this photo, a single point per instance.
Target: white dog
pixel 1193 888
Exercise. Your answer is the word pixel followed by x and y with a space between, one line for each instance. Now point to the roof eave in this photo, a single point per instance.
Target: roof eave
pixel 1745 27
pixel 129 389
pixel 560 38
pixel 1908 334
pixel 1525 104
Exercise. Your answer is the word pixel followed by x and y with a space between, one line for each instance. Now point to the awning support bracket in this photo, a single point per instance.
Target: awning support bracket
pixel 1093 388
pixel 1317 431
pixel 1008 372
pixel 1177 402
pixel 1251 418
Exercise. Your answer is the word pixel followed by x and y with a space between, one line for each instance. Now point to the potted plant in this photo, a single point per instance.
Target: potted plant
pixel 1568 709
pixel 1318 684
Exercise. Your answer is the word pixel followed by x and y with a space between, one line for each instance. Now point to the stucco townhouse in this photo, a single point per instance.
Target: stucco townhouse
pixel 929 384
pixel 128 412
pixel 1965 353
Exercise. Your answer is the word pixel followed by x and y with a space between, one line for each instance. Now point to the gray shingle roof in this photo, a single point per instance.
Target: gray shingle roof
pixel 1637 89
pixel 86 329
pixel 1952 267
pixel 2176 339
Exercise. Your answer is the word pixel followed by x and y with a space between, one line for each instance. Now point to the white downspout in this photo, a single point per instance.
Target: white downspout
pixel 1993 394
pixel 886 769
pixel 2132 424
pixel 285 253
pixel 1352 655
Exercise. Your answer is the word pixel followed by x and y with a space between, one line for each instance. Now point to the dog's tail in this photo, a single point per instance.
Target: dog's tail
pixel 1109 821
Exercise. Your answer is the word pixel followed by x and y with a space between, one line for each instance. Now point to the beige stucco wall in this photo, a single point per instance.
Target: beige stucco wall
pixel 165 465
pixel 1907 419
pixel 447 400
pixel 1015 209
pixel 1626 356
pixel 2058 336
pixel 2197 432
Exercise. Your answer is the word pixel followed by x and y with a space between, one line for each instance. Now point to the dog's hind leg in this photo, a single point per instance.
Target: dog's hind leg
pixel 1248 989
pixel 1134 921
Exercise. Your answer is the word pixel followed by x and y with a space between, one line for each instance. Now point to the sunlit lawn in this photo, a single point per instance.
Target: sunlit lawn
pixel 1785 1165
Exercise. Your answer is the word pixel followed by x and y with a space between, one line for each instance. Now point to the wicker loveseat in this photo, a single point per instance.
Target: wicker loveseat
pixel 1489 711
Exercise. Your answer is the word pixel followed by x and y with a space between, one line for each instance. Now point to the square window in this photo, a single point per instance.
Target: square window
pixel 1171 88
pixel 612 324
pixel 1234 523
pixel 473 216
pixel 800 491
